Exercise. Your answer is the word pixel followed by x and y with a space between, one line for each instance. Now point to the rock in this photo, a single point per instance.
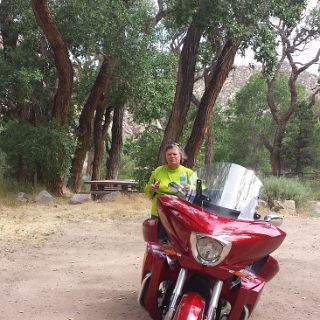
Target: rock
pixel 240 75
pixel 283 206
pixel 262 204
pixel 275 205
pixel 44 197
pixel 316 206
pixel 289 205
pixel 110 196
pixel 22 197
pixel 79 198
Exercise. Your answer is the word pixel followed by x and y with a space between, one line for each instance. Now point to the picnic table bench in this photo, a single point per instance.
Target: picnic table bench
pixel 101 187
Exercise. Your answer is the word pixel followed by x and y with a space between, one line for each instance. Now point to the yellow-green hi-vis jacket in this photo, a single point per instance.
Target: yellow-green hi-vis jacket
pixel 165 175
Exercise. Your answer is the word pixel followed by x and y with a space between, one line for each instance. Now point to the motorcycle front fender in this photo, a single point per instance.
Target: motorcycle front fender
pixel 191 307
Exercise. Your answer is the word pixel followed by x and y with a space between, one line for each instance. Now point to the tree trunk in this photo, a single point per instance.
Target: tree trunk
pixel 63 93
pixel 281 120
pixel 62 62
pixel 276 149
pixel 276 162
pixel 55 186
pixel 21 170
pixel 8 32
pixel 101 85
pixel 184 89
pixel 113 160
pixel 100 132
pixel 219 75
pixel 24 111
pixel 90 157
pixel 208 157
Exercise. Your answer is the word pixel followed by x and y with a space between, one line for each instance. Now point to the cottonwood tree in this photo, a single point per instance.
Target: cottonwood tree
pixel 62 97
pixel 240 126
pixel 296 34
pixel 28 86
pixel 26 75
pixel 114 31
pixel 96 97
pixel 223 28
pixel 184 88
pixel 63 64
pixel 300 142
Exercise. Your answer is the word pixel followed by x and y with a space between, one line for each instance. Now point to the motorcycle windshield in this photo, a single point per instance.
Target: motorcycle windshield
pixel 228 189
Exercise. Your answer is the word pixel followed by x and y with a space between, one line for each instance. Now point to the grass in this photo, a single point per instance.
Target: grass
pixel 286 188
pixel 10 188
pixel 304 192
pixel 38 221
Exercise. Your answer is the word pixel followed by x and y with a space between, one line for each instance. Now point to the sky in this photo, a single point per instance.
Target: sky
pixel 305 57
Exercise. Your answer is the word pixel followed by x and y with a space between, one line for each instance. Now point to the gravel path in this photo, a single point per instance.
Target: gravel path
pixel 91 270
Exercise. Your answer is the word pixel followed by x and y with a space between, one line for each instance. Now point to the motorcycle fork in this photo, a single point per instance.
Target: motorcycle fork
pixel 213 305
pixel 177 291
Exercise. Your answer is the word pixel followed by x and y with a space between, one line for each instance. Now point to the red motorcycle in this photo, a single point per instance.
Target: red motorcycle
pixel 216 258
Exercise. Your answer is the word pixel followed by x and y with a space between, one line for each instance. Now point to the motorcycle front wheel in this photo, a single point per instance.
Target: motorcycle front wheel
pixel 191 306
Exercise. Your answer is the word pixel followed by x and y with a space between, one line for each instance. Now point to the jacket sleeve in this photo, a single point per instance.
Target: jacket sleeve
pixel 192 178
pixel 148 185
pixel 189 174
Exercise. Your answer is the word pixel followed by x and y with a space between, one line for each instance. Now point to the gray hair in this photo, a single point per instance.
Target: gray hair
pixel 180 149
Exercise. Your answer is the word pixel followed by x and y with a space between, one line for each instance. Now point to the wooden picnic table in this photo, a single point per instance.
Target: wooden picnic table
pixel 101 187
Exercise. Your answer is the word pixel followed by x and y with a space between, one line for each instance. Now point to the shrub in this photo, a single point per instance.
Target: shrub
pixel 143 150
pixel 285 188
pixel 44 151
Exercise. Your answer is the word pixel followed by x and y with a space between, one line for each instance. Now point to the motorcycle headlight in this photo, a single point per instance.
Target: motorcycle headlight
pixel 209 250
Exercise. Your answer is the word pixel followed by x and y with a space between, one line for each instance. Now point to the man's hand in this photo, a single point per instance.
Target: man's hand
pixel 187 187
pixel 154 187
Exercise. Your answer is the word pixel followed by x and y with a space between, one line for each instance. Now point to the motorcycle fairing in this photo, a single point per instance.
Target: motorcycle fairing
pixel 247 295
pixel 150 230
pixel 155 263
pixel 251 240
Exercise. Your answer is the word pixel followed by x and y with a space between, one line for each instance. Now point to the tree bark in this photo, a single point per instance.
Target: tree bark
pixel 288 50
pixel 208 157
pixel 184 88
pixel 219 75
pixel 276 150
pixel 63 93
pixel 100 132
pixel 113 160
pixel 55 187
pixel 63 64
pixel 8 33
pixel 100 87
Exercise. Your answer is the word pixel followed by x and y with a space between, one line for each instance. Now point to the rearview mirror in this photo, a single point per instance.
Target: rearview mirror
pixel 274 219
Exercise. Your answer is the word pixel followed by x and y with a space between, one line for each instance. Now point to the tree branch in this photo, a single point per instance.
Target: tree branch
pixel 266 143
pixel 162 12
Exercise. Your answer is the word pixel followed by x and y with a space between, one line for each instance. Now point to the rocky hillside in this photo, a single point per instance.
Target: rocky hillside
pixel 240 75
pixel 235 81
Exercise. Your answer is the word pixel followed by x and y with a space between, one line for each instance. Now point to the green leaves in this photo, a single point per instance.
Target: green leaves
pixel 43 150
pixel 265 45
pixel 248 118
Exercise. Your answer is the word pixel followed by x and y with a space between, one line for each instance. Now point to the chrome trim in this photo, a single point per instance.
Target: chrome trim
pixel 143 284
pixel 214 300
pixel 226 247
pixel 246 313
pixel 274 219
pixel 177 291
pixel 171 263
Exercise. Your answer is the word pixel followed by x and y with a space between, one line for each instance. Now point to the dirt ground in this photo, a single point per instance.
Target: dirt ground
pixel 89 268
